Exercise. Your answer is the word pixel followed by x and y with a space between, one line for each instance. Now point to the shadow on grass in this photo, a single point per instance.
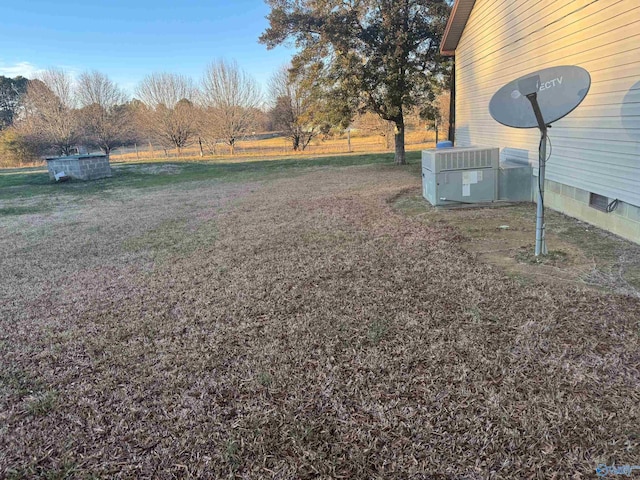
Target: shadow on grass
pixel 31 182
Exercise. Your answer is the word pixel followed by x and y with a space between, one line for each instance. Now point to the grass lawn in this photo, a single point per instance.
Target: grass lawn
pixel 304 318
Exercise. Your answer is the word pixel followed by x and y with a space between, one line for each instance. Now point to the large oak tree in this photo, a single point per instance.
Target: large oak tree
pixel 382 55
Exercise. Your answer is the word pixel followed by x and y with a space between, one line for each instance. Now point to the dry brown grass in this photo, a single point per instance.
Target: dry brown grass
pixel 299 328
pixel 281 146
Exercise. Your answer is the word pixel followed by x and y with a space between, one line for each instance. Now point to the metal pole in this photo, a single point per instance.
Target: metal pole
pixel 541 245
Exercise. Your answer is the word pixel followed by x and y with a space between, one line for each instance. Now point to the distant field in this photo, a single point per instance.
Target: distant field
pixel 268 149
pixel 281 146
pixel 305 318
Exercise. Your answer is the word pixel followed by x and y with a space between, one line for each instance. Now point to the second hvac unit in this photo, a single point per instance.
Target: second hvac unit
pixel 460 175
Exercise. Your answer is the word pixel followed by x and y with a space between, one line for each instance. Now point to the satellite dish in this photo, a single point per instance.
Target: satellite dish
pixel 537 100
pixel 559 90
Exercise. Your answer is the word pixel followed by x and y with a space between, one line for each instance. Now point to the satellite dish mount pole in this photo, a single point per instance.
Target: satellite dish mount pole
pixel 529 88
pixel 564 88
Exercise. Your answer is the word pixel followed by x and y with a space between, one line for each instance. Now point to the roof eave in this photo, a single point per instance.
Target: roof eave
pixel 455 26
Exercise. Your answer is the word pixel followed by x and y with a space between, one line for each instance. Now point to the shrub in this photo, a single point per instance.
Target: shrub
pixel 16 150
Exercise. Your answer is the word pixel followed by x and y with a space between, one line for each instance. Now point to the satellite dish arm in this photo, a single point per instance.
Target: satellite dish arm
pixel 538 113
pixel 533 98
pixel 529 88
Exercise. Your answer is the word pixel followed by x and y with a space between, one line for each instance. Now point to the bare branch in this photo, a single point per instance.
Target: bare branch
pixel 230 99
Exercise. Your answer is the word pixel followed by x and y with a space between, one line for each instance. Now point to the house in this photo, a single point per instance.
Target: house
pixel 594 170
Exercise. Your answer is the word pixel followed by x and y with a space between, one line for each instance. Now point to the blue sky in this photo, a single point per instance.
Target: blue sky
pixel 130 39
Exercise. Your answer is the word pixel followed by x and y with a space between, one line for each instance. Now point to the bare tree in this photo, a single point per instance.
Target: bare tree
pixel 373 124
pixel 97 88
pixel 50 117
pixel 104 113
pixel 61 84
pixel 168 115
pixel 295 109
pixel 165 89
pixel 230 98
pixel 206 126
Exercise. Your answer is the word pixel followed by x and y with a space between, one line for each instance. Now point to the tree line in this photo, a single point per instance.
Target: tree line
pixel 55 112
pixel 368 61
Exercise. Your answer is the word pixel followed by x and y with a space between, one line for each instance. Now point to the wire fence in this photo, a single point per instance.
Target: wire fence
pixel 274 147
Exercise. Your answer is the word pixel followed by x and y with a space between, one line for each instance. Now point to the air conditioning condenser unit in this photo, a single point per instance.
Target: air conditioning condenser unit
pixel 453 176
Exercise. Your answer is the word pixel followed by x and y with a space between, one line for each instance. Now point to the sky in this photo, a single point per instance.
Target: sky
pixel 130 39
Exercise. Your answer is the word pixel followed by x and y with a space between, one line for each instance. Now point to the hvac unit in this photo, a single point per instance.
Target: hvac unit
pixel 453 176
pixel 515 181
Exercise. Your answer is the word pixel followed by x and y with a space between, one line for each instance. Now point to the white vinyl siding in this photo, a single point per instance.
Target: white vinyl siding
pixel 597 146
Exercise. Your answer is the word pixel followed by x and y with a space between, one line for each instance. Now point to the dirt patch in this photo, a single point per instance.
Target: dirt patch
pixel 504 235
pixel 320 333
pixel 155 168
